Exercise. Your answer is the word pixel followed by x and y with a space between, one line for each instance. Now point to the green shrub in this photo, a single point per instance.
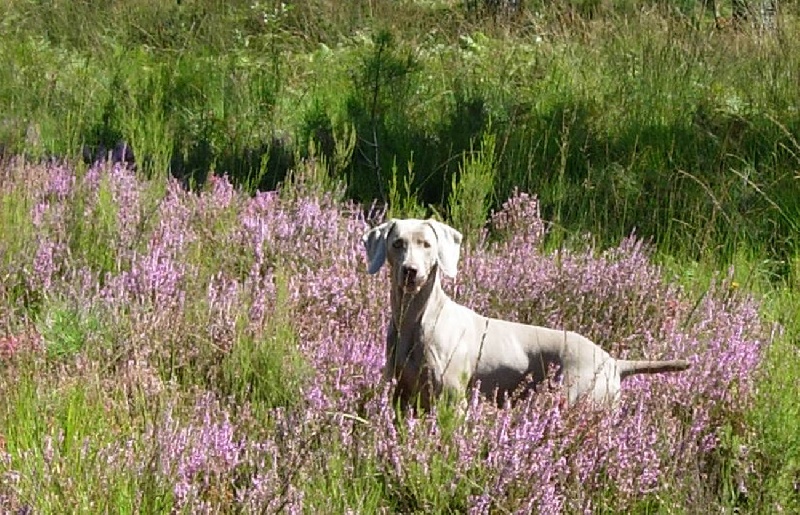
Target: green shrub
pixel 471 192
pixel 267 370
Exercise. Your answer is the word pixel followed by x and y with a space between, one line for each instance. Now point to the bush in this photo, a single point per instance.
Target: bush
pixel 251 377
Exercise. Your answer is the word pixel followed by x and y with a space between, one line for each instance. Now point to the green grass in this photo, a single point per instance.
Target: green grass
pixel 266 370
pixel 57 434
pixel 620 117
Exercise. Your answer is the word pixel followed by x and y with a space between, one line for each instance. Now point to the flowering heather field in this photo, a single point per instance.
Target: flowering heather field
pixel 169 351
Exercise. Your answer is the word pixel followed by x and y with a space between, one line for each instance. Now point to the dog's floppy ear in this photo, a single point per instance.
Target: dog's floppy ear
pixel 449 245
pixel 375 244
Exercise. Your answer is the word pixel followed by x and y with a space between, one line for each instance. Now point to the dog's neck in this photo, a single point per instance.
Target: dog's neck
pixel 409 308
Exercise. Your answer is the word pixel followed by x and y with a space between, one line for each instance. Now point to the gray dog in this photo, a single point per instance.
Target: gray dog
pixel 435 346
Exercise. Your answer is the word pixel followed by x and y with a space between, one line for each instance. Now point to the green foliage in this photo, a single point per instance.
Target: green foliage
pixel 382 89
pixel 774 442
pixel 312 177
pixel 332 148
pixel 471 193
pixel 15 245
pixel 66 330
pixel 619 118
pixel 93 228
pixel 776 448
pixel 437 485
pixel 346 480
pixel 588 116
pixel 55 435
pixel 15 208
pixel 267 370
pixel 403 202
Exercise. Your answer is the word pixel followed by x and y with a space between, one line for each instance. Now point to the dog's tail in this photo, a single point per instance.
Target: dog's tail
pixel 631 367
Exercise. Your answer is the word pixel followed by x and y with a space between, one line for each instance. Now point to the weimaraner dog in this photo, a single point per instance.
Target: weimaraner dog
pixel 435 346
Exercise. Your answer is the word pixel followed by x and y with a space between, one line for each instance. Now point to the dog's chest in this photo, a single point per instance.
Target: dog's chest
pixel 411 353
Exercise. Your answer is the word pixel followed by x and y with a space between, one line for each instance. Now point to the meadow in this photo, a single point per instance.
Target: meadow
pixel 197 333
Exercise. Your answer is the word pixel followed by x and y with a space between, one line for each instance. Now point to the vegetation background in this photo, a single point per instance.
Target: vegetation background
pixel 624 117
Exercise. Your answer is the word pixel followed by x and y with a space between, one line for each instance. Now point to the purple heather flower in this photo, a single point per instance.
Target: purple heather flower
pixel 162 301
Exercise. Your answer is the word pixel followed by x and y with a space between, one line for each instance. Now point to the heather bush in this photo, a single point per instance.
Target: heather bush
pixel 225 350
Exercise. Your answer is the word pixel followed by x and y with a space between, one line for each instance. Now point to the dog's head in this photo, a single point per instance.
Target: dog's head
pixel 415 250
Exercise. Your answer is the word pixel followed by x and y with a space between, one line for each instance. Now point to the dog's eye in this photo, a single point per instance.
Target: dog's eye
pixel 426 244
pixel 398 244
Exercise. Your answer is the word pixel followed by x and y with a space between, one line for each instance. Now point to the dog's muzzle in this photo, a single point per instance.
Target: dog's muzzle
pixel 409 278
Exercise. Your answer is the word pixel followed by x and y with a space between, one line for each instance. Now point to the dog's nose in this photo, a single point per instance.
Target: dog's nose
pixel 409 273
